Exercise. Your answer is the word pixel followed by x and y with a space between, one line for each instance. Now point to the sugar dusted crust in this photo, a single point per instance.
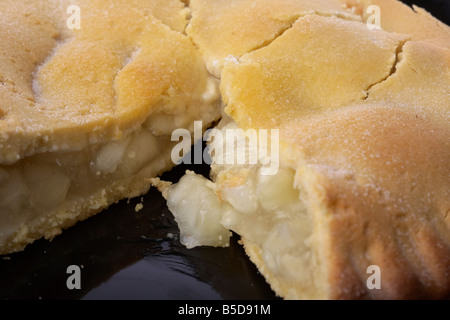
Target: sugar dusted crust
pixel 236 27
pixel 400 18
pixel 63 89
pixel 86 114
pixel 363 117
pixel 364 121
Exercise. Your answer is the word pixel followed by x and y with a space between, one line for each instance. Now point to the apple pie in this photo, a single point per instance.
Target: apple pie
pixel 87 111
pixel 92 90
pixel 364 136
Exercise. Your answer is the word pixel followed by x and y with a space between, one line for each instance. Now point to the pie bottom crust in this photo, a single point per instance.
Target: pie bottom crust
pixel 68 214
pixel 255 254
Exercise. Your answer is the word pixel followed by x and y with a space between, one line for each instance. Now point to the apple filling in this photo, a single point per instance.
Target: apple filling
pixel 39 185
pixel 47 192
pixel 198 212
pixel 266 210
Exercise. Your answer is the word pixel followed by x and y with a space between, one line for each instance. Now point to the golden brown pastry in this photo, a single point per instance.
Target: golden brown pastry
pixel 227 29
pixel 364 179
pixel 396 16
pixel 87 114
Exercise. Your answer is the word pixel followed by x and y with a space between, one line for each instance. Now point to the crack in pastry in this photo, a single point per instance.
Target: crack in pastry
pixel 86 117
pixel 241 26
pixel 88 113
pixel 419 60
pixel 336 14
pixel 394 66
pixel 400 18
pixel 176 14
pixel 364 159
pixel 294 54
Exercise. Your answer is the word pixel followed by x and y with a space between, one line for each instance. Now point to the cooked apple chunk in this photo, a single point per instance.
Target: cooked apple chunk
pixel 87 113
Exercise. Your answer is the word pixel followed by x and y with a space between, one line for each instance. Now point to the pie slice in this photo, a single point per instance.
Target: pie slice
pixel 86 115
pixel 364 163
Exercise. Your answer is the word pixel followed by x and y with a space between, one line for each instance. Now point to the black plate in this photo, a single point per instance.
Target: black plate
pixel 125 254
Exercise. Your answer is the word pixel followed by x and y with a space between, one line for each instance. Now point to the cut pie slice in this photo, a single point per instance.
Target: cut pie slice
pixel 364 170
pixel 87 114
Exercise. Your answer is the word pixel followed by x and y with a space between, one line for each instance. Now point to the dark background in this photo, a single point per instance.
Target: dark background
pixel 132 255
pixel 438 8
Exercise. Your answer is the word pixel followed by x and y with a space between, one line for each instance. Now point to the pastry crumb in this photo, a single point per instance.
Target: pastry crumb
pixel 139 207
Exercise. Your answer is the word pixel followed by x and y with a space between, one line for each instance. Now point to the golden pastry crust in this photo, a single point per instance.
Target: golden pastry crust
pixel 307 75
pixel 363 117
pixel 398 17
pixel 372 185
pixel 367 134
pixel 380 206
pixel 228 29
pixel 65 89
pixel 86 114
pixel 282 288
pixel 420 80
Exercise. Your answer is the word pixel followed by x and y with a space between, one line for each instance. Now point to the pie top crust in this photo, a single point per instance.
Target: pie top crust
pixel 62 89
pixel 400 18
pixel 227 29
pixel 363 114
pixel 363 117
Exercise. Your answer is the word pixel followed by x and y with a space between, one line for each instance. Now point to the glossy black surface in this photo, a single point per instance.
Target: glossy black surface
pixel 124 254
pixel 132 255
